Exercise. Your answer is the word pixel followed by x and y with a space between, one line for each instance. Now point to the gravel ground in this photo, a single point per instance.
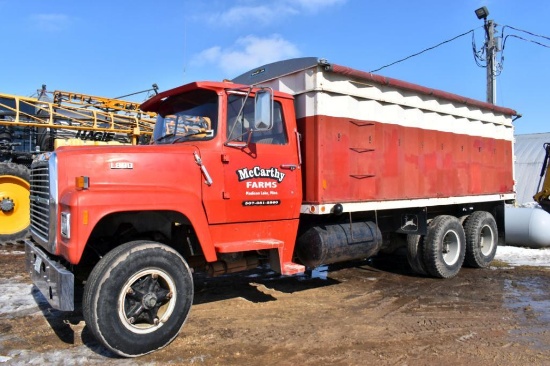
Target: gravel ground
pixel 375 311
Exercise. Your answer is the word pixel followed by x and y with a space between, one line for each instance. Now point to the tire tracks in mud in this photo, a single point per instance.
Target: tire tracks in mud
pixel 420 320
pixel 419 310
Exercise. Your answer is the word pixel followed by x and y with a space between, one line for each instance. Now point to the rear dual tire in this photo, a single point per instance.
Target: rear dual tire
pixel 445 247
pixel 481 239
pixel 415 253
pixel 451 242
pixel 440 253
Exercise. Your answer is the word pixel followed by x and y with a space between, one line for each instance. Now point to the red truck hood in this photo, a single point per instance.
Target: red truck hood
pixel 154 165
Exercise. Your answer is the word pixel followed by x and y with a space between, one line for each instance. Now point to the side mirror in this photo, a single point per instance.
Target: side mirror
pixel 263 110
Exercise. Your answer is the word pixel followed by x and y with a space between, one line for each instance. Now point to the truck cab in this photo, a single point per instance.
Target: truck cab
pixel 218 189
pixel 247 150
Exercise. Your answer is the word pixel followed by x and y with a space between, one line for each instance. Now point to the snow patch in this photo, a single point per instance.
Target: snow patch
pixel 12 252
pixel 16 297
pixel 517 256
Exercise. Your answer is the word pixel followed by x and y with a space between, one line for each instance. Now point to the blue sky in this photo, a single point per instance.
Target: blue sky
pixel 113 48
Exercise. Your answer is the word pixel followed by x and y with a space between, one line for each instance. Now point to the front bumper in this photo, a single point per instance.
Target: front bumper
pixel 53 280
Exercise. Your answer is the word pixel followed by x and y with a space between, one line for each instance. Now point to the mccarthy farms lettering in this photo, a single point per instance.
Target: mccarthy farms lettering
pixel 258 172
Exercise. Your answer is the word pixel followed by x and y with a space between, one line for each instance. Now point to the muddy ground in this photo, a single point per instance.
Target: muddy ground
pixel 364 313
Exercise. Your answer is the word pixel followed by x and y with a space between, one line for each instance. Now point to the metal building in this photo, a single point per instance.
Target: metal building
pixel 529 157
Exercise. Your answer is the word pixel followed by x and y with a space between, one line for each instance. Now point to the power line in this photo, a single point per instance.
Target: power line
pixel 523 39
pixel 427 49
pixel 524 31
pixel 479 55
pixel 505 38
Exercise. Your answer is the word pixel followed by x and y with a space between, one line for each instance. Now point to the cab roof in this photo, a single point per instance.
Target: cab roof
pixel 154 104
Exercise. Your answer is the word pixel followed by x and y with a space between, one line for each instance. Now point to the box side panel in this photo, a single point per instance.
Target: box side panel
pixel 349 160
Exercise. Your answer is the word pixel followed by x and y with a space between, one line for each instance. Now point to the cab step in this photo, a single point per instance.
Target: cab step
pixel 242 246
pixel 291 268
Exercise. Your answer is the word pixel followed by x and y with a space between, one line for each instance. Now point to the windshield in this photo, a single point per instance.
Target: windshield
pixel 188 116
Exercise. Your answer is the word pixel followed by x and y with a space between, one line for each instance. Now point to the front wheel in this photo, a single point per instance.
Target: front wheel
pixel 138 297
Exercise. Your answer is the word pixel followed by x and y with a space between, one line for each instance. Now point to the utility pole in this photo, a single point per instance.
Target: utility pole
pixel 491 66
pixel 491 50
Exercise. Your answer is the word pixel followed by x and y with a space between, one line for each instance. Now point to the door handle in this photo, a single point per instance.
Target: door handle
pixel 289 166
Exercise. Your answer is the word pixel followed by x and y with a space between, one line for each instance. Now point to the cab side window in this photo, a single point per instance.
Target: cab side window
pixel 275 136
pixel 237 130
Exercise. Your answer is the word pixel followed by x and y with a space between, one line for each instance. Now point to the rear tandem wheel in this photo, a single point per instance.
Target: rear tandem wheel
pixel 444 247
pixel 415 253
pixel 481 239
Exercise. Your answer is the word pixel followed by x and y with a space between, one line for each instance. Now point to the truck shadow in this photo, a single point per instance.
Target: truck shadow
pixel 69 326
pixel 395 263
pixel 70 329
pixel 60 321
pixel 259 286
pixel 251 285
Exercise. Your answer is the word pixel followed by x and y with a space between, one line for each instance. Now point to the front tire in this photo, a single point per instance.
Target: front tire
pixel 138 297
pixel 481 239
pixel 444 248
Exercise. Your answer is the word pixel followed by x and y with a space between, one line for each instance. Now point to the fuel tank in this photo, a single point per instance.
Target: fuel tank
pixel 528 227
pixel 338 243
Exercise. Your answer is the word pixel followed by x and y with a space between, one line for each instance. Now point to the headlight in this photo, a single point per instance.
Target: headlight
pixel 66 225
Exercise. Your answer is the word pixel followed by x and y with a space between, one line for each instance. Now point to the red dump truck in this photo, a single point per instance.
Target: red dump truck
pixel 297 163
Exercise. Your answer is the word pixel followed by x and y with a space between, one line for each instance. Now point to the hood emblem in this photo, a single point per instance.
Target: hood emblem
pixel 121 165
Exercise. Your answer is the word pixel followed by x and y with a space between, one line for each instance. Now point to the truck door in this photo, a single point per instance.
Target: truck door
pixel 263 177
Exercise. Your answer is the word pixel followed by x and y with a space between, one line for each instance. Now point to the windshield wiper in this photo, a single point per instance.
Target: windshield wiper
pixel 164 137
pixel 179 138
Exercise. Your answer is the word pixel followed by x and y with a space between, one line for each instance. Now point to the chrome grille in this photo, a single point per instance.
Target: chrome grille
pixel 43 199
